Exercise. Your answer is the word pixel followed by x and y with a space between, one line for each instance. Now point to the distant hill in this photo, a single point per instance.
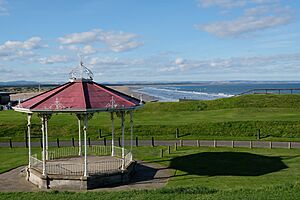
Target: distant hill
pixel 26 83
pixel 35 83
pixel 18 83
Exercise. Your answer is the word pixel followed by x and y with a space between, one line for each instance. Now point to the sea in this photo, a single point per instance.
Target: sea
pixel 214 91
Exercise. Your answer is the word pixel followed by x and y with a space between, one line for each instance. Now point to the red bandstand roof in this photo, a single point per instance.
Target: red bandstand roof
pixel 79 96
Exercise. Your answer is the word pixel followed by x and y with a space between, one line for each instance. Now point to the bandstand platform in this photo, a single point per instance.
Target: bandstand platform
pixel 83 166
pixel 65 169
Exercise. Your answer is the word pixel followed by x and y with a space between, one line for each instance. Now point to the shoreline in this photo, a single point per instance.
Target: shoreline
pixel 132 91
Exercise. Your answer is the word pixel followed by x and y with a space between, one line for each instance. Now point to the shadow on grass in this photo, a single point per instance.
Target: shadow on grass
pixel 227 164
pixel 143 175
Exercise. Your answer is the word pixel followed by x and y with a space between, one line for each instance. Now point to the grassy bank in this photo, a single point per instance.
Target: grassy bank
pixel 277 116
pixel 198 173
pixel 218 168
pixel 288 192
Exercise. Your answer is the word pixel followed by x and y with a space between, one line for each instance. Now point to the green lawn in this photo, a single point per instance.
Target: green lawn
pixel 278 117
pixel 227 168
pixel 199 173
pixel 282 192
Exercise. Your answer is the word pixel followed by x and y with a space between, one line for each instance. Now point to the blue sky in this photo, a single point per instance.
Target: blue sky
pixel 139 40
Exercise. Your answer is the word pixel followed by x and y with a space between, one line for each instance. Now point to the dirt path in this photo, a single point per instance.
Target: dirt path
pixel 147 176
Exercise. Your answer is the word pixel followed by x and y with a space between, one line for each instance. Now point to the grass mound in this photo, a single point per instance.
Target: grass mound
pixel 277 116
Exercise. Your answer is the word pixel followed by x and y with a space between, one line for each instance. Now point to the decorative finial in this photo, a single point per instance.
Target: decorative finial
pixel 81 72
pixel 81 59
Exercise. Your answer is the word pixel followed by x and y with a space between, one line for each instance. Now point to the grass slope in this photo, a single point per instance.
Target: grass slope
pixel 199 173
pixel 278 117
pixel 288 192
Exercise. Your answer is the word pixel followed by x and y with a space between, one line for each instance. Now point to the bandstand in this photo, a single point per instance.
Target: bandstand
pixel 83 166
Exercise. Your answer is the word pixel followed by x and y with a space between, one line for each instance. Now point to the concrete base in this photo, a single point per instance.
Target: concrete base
pixel 80 182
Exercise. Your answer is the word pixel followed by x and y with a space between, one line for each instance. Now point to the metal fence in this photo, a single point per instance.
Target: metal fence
pixel 35 162
pixel 63 167
pixel 63 152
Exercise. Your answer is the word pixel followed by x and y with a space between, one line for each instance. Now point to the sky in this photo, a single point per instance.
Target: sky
pixel 157 40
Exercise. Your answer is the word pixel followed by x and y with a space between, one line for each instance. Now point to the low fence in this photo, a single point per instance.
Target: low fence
pixel 104 148
pixel 105 166
pixel 35 162
pixel 63 167
pixel 63 152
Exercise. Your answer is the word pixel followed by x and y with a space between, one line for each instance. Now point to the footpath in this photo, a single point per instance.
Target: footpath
pixel 195 143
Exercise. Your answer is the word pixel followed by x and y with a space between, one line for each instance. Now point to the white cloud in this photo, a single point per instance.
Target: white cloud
pixel 281 65
pixel 259 16
pixel 232 3
pixel 84 50
pixel 114 41
pixel 31 43
pixel 255 64
pixel 5 70
pixel 80 38
pixel 243 25
pixel 88 49
pixel 55 59
pixel 3 8
pixel 13 49
pixel 113 61
pixel 179 61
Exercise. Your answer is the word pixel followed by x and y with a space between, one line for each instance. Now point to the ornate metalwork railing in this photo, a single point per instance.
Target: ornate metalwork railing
pixel 97 167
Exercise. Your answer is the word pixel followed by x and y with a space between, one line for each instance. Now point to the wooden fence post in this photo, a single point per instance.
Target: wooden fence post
pixel 152 141
pixel 57 142
pixel 161 153
pixel 10 143
pixel 100 133
pixel 177 133
pixel 136 142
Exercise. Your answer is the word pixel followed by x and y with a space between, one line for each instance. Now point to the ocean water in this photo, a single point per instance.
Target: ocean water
pixel 211 91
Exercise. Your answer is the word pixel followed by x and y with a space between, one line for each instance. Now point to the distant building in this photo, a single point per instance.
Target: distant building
pixel 5 97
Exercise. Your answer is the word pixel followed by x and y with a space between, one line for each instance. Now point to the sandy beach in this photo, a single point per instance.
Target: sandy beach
pixel 132 91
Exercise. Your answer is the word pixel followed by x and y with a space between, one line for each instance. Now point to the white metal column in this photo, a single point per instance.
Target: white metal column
pixel 79 138
pixel 131 130
pixel 85 147
pixel 112 134
pixel 46 135
pixel 123 129
pixel 44 149
pixel 29 138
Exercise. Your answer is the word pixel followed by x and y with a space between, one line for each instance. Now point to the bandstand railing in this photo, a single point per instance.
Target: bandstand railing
pixel 35 162
pixel 98 167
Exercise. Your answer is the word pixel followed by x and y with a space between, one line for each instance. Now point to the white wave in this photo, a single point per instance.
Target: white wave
pixel 175 90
